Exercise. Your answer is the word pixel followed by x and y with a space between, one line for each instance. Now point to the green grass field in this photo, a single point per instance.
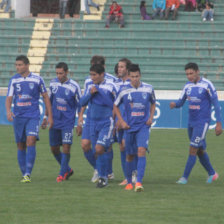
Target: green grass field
pixel 78 200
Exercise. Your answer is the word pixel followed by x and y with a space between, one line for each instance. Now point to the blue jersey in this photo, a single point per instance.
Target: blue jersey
pixel 200 96
pixel 65 99
pixel 88 80
pixel 26 94
pixel 100 103
pixel 137 103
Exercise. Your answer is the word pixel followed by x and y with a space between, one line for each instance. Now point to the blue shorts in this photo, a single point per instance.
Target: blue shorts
pixel 134 140
pixel 197 135
pixel 24 127
pixel 60 136
pixel 86 130
pixel 101 133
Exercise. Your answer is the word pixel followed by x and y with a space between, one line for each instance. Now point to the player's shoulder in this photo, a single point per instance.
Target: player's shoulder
pixel 74 83
pixel 110 77
pixel 147 85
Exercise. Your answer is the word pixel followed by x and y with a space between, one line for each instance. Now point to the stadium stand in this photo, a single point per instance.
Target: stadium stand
pixel 162 48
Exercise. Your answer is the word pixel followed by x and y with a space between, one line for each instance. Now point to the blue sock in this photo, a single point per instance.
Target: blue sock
pixel 101 165
pixel 21 157
pixel 90 158
pixel 136 162
pixel 141 168
pixel 58 158
pixel 123 162
pixel 30 159
pixel 205 162
pixel 65 157
pixel 189 165
pixel 110 156
pixel 129 169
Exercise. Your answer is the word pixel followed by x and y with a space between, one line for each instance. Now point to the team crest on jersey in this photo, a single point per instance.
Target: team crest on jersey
pixel 188 91
pixel 54 89
pixel 144 95
pixel 200 90
pixel 31 85
pixel 67 92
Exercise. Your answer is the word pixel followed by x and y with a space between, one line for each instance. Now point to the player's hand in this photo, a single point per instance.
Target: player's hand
pixel 50 122
pixel 44 123
pixel 118 125
pixel 149 122
pixel 93 90
pixel 79 130
pixel 10 116
pixel 124 125
pixel 172 105
pixel 218 129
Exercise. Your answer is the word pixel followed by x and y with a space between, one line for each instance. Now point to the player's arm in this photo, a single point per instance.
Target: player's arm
pixel 8 104
pixel 180 102
pixel 121 120
pixel 48 108
pixel 87 96
pixel 152 112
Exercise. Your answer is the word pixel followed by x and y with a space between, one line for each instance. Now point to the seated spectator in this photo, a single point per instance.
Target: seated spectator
pixel 62 8
pixel 190 5
pixel 172 6
pixel 7 3
pixel 208 12
pixel 91 3
pixel 115 13
pixel 200 5
pixel 158 7
pixel 144 14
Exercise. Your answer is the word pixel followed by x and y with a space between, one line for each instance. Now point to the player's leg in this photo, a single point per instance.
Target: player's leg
pixel 110 155
pixel 20 138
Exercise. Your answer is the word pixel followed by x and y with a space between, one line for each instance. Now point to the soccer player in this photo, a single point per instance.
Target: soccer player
pixel 123 79
pixel 100 94
pixel 65 95
pixel 89 153
pixel 139 102
pixel 201 94
pixel 24 92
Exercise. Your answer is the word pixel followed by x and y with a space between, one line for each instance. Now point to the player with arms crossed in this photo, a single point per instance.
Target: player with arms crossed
pixel 24 92
pixel 139 103
pixel 201 95
pixel 65 95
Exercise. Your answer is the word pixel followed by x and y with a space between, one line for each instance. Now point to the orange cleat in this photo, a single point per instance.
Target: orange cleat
pixel 129 187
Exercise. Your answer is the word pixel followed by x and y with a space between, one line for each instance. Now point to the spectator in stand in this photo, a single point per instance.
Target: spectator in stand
pixel 144 14
pixel 7 3
pixel 172 5
pixel 158 8
pixel 201 5
pixel 208 12
pixel 62 8
pixel 91 3
pixel 115 13
pixel 190 5
pixel 74 8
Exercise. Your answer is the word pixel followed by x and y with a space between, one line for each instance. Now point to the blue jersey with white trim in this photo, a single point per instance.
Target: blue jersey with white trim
pixel 65 100
pixel 137 103
pixel 200 96
pixel 101 103
pixel 88 80
pixel 26 94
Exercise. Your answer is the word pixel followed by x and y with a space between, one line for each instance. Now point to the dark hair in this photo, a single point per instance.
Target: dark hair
pixel 116 69
pixel 142 4
pixel 97 59
pixel 23 58
pixel 126 61
pixel 62 65
pixel 134 68
pixel 191 65
pixel 97 68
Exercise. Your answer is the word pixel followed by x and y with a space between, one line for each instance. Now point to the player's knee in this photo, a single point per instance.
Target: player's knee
pixel 86 145
pixel 129 158
pixel 99 149
pixel 31 141
pixel 141 151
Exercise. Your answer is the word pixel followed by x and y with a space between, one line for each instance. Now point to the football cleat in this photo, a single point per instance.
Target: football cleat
pixel 212 178
pixel 95 177
pixel 59 179
pixel 124 182
pixel 182 180
pixel 129 187
pixel 102 183
pixel 138 187
pixel 111 176
pixel 68 174
pixel 26 179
